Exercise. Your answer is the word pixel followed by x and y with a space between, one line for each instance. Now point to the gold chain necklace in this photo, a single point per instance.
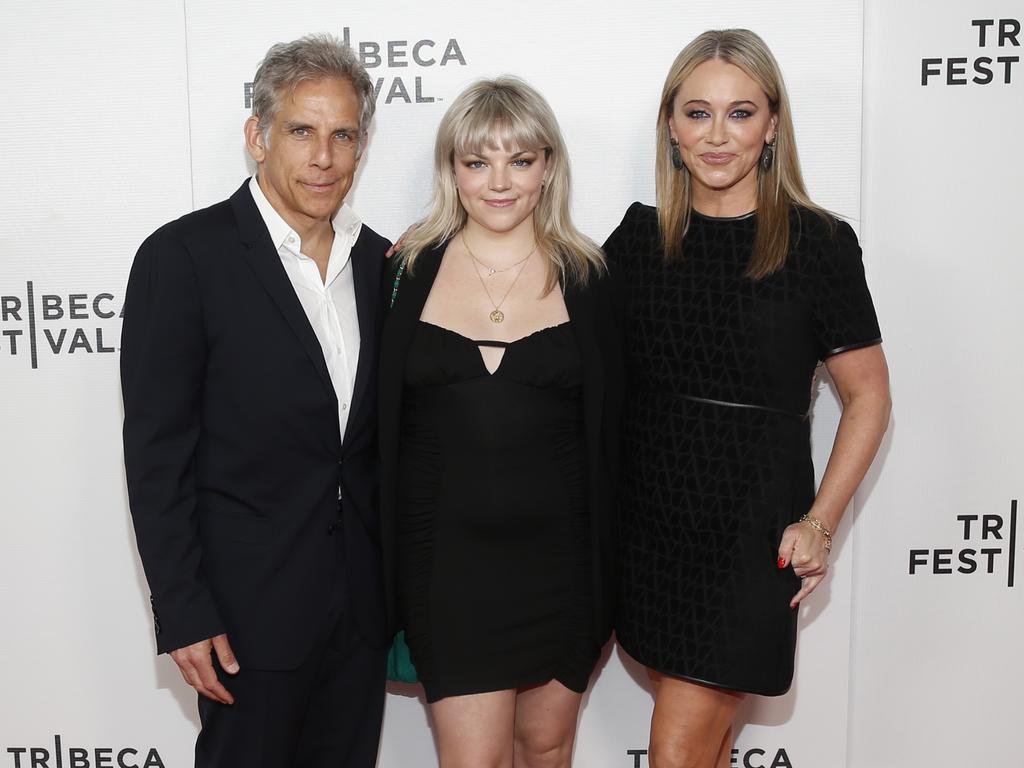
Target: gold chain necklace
pixel 497 316
pixel 491 271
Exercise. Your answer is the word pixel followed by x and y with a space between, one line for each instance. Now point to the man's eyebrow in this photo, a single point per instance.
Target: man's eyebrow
pixel 290 125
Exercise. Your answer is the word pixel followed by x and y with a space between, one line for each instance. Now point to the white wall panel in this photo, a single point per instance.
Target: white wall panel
pixel 94 141
pixel 936 665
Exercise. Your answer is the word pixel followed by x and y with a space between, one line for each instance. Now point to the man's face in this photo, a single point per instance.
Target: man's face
pixel 310 152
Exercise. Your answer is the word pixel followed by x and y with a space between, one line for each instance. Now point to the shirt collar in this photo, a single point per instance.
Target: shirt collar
pixel 346 221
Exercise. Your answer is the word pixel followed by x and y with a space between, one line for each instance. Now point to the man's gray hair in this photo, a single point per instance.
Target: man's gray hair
pixel 309 58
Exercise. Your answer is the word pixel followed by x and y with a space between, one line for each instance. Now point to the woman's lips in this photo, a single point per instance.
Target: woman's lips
pixel 717 158
pixel 503 203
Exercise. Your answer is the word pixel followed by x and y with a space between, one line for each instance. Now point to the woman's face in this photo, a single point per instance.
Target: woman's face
pixel 722 121
pixel 499 188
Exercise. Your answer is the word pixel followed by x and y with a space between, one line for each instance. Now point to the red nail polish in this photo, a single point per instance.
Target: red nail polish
pixel 781 563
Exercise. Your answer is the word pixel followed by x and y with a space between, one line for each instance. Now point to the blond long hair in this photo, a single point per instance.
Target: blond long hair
pixel 778 189
pixel 506 112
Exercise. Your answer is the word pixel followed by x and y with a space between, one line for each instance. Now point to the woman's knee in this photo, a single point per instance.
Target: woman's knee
pixel 547 747
pixel 691 723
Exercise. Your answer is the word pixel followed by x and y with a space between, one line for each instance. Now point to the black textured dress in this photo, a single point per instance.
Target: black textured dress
pixel 492 534
pixel 716 437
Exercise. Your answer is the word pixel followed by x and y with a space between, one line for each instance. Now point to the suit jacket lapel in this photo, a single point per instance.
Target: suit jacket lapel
pixel 264 261
pixel 365 264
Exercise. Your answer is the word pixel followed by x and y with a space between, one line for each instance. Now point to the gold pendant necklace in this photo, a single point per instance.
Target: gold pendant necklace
pixel 496 315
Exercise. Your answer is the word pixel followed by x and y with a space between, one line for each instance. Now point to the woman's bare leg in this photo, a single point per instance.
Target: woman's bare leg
pixel 691 724
pixel 545 726
pixel 725 753
pixel 475 731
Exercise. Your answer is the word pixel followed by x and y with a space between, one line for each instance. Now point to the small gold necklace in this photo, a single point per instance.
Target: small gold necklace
pixel 491 271
pixel 496 315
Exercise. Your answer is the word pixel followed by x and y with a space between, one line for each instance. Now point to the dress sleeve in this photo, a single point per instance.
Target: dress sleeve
pixel 843 314
pixel 634 229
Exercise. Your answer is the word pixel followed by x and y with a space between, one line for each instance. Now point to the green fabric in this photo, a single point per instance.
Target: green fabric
pixel 400 666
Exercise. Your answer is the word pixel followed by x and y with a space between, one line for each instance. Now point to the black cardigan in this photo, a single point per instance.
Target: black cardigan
pixel 593 314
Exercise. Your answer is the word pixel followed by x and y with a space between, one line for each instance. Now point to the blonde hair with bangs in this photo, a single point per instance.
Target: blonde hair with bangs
pixel 778 189
pixel 505 112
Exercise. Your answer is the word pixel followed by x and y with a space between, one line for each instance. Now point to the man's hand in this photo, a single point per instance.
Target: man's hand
pixel 397 247
pixel 196 664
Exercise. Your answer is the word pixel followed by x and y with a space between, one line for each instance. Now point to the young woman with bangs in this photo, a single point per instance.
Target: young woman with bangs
pixel 499 402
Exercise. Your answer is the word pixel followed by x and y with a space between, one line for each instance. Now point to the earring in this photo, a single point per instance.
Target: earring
pixel 768 156
pixel 677 158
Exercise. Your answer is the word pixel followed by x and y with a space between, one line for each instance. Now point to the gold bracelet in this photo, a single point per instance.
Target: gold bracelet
pixel 819 526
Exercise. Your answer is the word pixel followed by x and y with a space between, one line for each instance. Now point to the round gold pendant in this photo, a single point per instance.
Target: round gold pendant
pixel 497 316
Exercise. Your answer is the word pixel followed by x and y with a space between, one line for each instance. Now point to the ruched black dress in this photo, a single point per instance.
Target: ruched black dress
pixel 492 533
pixel 716 437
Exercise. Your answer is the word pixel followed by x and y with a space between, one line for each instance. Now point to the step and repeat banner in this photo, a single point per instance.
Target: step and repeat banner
pixel 121 116
pixel 939 585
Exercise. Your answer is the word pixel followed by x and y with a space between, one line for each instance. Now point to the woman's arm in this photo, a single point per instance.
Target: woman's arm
pixel 862 378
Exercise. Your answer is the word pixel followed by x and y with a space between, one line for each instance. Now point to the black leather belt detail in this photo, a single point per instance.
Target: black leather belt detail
pixel 767 409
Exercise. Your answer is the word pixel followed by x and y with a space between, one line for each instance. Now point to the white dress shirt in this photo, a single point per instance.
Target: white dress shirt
pixel 329 304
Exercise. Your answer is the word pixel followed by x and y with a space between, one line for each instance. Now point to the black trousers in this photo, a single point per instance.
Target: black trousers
pixel 325 713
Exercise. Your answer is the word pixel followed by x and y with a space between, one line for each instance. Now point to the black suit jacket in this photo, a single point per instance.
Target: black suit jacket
pixel 232 447
pixel 593 312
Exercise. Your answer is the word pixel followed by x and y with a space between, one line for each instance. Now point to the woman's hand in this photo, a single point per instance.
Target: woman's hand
pixel 804 548
pixel 862 381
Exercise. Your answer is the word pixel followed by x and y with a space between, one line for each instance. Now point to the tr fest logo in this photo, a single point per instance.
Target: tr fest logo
pixel 753 757
pixel 35 323
pixel 61 756
pixel 1002 34
pixel 989 545
pixel 398 54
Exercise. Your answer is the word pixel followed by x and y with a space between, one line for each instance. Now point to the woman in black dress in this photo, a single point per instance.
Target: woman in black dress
pixel 737 285
pixel 499 401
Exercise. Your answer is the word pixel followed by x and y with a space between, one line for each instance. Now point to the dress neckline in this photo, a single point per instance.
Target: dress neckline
pixel 493 343
pixel 741 217
pixel 503 345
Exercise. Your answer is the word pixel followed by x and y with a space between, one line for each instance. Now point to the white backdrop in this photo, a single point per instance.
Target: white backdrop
pixel 937 668
pixel 120 116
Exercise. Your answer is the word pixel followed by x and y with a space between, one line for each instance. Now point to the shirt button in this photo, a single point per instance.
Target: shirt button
pixel 291 239
pixel 344 406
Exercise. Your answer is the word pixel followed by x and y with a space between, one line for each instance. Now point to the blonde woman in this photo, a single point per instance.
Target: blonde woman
pixel 498 406
pixel 737 285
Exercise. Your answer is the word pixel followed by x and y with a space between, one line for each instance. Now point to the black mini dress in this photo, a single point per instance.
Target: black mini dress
pixel 493 579
pixel 717 437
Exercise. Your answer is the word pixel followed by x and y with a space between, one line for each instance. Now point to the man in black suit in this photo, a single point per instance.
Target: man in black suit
pixel 248 366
